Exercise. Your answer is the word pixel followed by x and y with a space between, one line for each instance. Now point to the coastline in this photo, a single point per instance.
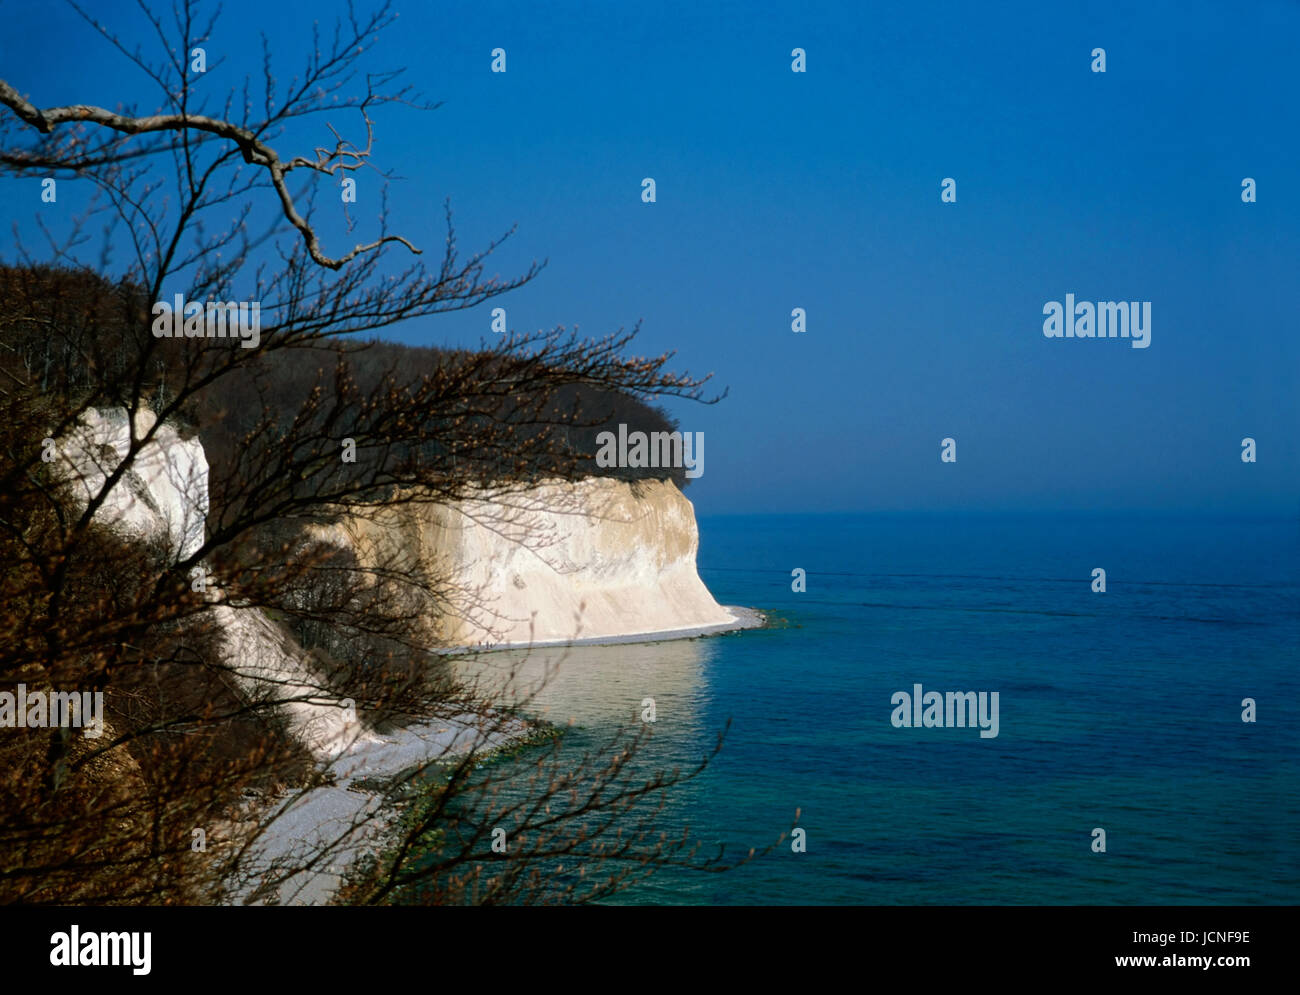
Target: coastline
pixel 741 618
pixel 324 829
pixel 328 828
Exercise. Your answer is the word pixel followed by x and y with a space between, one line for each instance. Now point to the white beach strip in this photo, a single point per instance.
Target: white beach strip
pixel 741 618
pixel 324 818
pixel 323 830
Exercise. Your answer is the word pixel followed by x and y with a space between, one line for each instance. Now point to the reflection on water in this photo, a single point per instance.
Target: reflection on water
pixel 598 687
pixel 598 695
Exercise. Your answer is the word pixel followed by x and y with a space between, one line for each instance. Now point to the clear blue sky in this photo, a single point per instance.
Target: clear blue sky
pixel 822 190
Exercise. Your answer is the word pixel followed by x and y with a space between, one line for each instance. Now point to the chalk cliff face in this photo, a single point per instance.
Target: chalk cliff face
pixel 559 562
pixel 163 494
pixel 562 561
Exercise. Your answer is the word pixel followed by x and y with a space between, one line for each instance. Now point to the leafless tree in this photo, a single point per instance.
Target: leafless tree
pixel 202 195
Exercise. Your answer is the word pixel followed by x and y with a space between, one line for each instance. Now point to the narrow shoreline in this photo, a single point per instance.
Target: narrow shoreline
pixel 315 818
pixel 741 618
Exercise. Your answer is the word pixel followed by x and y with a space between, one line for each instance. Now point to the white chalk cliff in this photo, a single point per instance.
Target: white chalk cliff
pixel 558 562
pixel 595 559
pixel 163 496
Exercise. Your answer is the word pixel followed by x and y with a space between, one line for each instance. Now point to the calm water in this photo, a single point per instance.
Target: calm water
pixel 1119 710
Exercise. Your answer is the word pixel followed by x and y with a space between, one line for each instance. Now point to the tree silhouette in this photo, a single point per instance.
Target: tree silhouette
pixel 198 746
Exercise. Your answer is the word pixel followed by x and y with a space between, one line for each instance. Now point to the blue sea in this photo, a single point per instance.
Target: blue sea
pixel 1119 710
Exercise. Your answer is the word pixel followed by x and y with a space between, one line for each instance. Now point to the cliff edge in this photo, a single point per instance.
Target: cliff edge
pixel 558 562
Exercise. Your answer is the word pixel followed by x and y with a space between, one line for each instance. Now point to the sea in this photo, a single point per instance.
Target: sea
pixel 1122 771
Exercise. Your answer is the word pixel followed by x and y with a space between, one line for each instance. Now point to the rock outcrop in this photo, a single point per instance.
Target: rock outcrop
pixel 163 497
pixel 596 559
pixel 557 562
pixel 164 492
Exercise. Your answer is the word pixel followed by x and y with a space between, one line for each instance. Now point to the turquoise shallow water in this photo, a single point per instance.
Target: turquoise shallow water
pixel 1119 710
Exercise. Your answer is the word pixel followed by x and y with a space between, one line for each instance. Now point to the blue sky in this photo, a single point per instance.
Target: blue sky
pixel 822 190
